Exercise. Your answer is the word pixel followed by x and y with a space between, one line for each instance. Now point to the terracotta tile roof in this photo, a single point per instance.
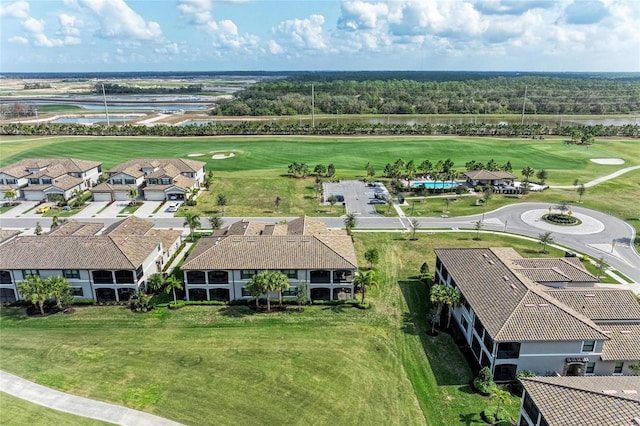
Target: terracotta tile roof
pixel 130 226
pixel 624 344
pixel 76 252
pixel 272 252
pixel 570 269
pixel 600 304
pixel 74 227
pixel 586 401
pixel 19 169
pixel 54 171
pixel 167 236
pixel 183 165
pixel 107 187
pixel 487 175
pixel 301 226
pixel 6 234
pixel 510 305
pixel 166 170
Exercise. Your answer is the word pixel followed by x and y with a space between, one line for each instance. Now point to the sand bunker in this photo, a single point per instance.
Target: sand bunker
pixel 223 156
pixel 197 154
pixel 609 161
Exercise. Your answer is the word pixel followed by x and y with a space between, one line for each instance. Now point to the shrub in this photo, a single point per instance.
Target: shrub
pixel 492 416
pixel 516 387
pixel 85 302
pixel 484 381
pixel 140 302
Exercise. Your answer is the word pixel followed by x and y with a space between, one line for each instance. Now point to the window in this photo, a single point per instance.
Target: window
pixel 488 342
pixel 27 272
pixel 588 345
pixel 129 181
pixel 34 181
pixel 292 274
pixel 102 277
pixel 124 277
pixel 245 292
pixel 320 276
pixel 218 277
pixel 46 181
pixel 5 277
pixel 505 372
pixel 77 291
pixel 465 324
pixel 591 366
pixel 116 181
pixel 530 408
pixel 477 326
pixel 152 181
pixel 139 272
pixel 11 181
pixel 195 277
pixel 291 291
pixel 508 350
pixel 165 181
pixel 71 274
pixel 247 274
pixel 618 368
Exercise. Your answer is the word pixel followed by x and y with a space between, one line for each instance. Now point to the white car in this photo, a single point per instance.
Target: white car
pixel 173 207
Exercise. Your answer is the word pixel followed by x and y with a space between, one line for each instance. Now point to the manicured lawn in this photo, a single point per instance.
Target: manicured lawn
pixel 18 412
pixel 329 364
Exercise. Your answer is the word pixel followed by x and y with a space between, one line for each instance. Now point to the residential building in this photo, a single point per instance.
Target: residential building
pixel 584 401
pixel 36 179
pixel 156 179
pixel 220 266
pixel 486 177
pixel 105 267
pixel 512 322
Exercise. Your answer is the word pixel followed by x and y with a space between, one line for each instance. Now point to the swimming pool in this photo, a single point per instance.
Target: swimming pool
pixel 430 184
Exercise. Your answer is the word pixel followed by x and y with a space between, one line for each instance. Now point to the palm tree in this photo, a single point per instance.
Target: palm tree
pixel 453 298
pixel 192 220
pixel 364 280
pixel 35 290
pixel 544 240
pixel 280 283
pixel 478 226
pixel 133 194
pixel 502 396
pixel 527 172
pixel 78 194
pixel 581 190
pixel 171 285
pixel 258 285
pixel 350 222
pixel 60 289
pixel 156 282
pixel 215 222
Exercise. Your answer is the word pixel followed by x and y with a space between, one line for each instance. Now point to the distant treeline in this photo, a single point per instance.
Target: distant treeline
pixel 125 89
pixel 484 94
pixel 577 133
pixel 36 85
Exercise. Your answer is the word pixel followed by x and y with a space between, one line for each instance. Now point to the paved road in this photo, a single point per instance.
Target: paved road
pixel 61 401
pixel 592 237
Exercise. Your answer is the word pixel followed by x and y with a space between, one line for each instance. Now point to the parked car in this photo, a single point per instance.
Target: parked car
pixel 173 207
pixel 43 209
pixel 376 201
pixel 340 198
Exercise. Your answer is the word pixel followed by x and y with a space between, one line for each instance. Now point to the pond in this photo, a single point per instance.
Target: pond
pixel 93 120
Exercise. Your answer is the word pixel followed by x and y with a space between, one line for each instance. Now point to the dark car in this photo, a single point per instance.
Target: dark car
pixel 340 198
pixel 376 201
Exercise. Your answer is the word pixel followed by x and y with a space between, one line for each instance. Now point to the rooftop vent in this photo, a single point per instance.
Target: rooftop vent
pixel 610 391
pixel 543 304
pixel 606 331
pixel 529 305
pixel 625 331
pixel 491 262
pixel 513 286
pixel 630 391
pixel 485 255
pixel 506 278
pixel 589 295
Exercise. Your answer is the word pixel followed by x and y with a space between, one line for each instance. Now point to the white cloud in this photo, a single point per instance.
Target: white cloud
pixel 68 25
pixel 33 25
pixel 358 15
pixel 303 33
pixel 275 48
pixel 41 40
pixel 118 20
pixel 19 9
pixel 18 40
pixel 169 48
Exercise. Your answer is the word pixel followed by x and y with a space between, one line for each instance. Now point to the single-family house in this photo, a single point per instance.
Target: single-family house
pixel 512 322
pixel 156 179
pixel 584 401
pixel 220 266
pixel 37 179
pixel 103 265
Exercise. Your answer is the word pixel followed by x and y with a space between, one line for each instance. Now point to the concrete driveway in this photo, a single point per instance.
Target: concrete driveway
pixel 91 210
pixel 147 208
pixel 18 210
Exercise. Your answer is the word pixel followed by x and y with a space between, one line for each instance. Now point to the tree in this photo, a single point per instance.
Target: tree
pixel 581 190
pixel 502 397
pixel 372 256
pixel 302 293
pixel 563 206
pixel 332 201
pixel 576 182
pixel 55 222
pixel 192 220
pixel 331 170
pixel 155 282
pixel 441 295
pixel 424 271
pixel 171 284
pixel 35 290
pixel 364 280
pixel 276 204
pixel 320 169
pixel 60 289
pixel 215 222
pixel 542 176
pixel 38 230
pixel 208 179
pixel 350 222
pixel 133 194
pixel 371 172
pixel 414 225
pixel 484 381
pixel 486 195
pixel 78 194
pixel 544 240
pixel 478 226
pixel 192 194
pixel 221 201
pixel 259 284
pixel 10 194
pixel 527 172
pixel 279 283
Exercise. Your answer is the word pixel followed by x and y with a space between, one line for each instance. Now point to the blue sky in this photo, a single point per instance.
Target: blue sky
pixel 217 35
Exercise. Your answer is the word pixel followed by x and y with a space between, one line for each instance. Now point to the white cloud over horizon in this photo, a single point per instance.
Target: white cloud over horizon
pixel 552 35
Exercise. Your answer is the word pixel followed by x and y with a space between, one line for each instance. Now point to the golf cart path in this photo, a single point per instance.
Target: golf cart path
pixel 61 401
pixel 600 179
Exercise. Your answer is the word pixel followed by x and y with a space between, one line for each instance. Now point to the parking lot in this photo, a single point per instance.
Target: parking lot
pixel 358 196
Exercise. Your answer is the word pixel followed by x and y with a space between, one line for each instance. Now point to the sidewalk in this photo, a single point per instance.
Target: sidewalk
pixel 51 398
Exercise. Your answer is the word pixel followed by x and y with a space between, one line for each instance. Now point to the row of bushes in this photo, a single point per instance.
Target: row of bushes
pixel 351 302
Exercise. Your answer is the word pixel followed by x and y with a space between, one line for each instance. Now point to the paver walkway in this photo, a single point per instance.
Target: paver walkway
pixel 600 179
pixel 51 398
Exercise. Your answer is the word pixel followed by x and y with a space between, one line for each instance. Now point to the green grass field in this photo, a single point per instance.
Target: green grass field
pixel 227 365
pixel 17 412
